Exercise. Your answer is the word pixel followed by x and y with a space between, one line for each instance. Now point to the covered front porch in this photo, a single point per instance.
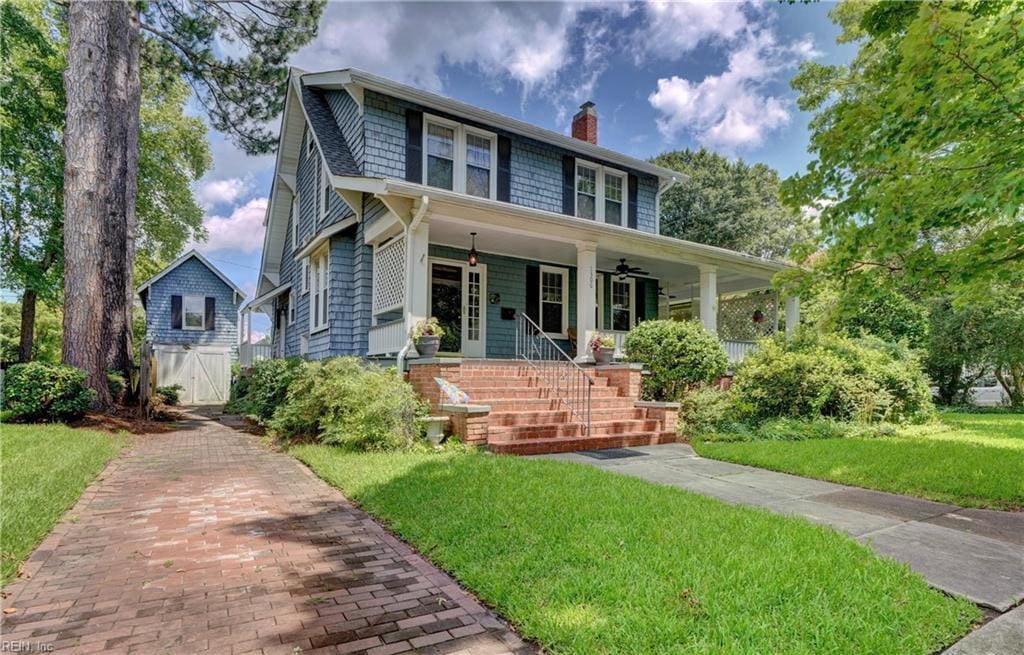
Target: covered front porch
pixel 476 268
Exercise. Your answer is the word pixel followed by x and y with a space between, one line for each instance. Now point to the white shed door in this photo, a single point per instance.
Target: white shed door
pixel 203 372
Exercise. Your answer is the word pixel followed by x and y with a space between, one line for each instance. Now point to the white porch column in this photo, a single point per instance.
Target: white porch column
pixel 792 314
pixel 586 296
pixel 417 274
pixel 709 298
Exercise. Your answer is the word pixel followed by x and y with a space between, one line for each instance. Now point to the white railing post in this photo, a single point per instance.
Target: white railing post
pixel 792 314
pixel 709 298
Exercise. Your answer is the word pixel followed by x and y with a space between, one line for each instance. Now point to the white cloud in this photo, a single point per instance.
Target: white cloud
pixel 526 43
pixel 672 29
pixel 222 192
pixel 242 230
pixel 734 108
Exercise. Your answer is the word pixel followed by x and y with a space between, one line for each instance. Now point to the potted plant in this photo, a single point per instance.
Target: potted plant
pixel 602 347
pixel 426 336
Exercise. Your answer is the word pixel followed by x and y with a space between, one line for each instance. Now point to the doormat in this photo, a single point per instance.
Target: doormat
pixel 612 453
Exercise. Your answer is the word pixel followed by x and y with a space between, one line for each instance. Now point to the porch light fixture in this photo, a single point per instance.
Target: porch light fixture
pixel 472 250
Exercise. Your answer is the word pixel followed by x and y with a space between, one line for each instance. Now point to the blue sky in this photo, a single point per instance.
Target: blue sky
pixel 663 75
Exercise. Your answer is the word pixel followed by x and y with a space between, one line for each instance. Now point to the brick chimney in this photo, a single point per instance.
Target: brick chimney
pixel 584 123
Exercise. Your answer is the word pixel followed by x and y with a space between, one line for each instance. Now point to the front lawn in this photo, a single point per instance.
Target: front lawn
pixel 585 561
pixel 45 468
pixel 973 460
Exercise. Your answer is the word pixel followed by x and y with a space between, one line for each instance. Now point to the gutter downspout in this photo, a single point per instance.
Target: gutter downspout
pixel 407 229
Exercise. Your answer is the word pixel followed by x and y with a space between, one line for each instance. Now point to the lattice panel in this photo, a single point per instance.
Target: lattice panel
pixel 389 276
pixel 750 317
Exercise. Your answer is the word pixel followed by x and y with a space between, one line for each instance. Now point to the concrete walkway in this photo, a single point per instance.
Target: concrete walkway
pixel 202 540
pixel 977 554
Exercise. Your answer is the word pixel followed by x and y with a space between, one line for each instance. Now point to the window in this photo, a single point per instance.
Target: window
pixel 440 156
pixel 460 158
pixel 325 191
pixel 622 303
pixel 291 309
pixel 601 193
pixel 613 194
pixel 319 277
pixel 304 283
pixel 554 295
pixel 295 222
pixel 586 192
pixel 193 310
pixel 478 165
pixel 319 191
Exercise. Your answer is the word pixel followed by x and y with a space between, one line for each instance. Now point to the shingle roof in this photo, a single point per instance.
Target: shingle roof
pixel 336 151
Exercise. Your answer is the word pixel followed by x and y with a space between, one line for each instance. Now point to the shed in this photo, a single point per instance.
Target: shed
pixel 192 322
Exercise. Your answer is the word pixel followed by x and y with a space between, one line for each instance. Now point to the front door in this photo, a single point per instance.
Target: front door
pixel 457 293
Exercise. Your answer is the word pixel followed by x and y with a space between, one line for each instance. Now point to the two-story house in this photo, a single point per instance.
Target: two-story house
pixel 391 204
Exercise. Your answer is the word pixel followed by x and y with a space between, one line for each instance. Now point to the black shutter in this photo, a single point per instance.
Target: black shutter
pixel 413 146
pixel 632 201
pixel 211 312
pixel 533 293
pixel 569 185
pixel 175 312
pixel 504 169
pixel 641 301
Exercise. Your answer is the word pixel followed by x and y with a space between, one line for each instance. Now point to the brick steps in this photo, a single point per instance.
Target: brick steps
pixel 563 429
pixel 514 390
pixel 506 405
pixel 570 444
pixel 561 415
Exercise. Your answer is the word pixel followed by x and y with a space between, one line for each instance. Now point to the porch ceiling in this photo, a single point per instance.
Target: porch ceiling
pixel 673 273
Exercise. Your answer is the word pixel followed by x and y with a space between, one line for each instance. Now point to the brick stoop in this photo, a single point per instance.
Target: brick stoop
pixel 525 417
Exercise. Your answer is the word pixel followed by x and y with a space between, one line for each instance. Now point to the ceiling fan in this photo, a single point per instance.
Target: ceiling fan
pixel 623 270
pixel 663 292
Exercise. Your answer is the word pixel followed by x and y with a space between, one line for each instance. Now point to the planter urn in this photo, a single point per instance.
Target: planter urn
pixel 603 355
pixel 427 345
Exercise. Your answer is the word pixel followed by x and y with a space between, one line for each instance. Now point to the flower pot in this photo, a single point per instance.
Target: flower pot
pixel 427 346
pixel 603 355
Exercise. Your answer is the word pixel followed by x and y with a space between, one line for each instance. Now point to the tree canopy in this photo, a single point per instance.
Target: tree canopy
pixel 918 144
pixel 730 204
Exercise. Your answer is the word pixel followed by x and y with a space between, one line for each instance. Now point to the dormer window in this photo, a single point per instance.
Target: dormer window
pixel 460 158
pixel 600 193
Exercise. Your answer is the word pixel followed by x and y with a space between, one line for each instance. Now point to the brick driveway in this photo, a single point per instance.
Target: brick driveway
pixel 204 540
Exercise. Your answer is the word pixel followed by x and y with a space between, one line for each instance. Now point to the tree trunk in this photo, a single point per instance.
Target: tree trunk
pixel 28 325
pixel 101 149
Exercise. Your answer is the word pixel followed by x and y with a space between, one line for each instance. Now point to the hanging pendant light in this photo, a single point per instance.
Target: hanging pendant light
pixel 472 250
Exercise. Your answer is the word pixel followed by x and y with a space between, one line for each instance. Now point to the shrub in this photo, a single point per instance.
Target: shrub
pixel 266 388
pixel 704 409
pixel 680 355
pixel 37 391
pixel 794 429
pixel 117 385
pixel 342 402
pixel 169 395
pixel 813 376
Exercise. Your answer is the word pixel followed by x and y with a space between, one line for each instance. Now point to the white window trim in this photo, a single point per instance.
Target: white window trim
pixel 184 312
pixel 292 310
pixel 460 162
pixel 564 272
pixel 310 143
pixel 320 266
pixel 600 324
pixel 600 172
pixel 631 282
pixel 295 221
pixel 304 282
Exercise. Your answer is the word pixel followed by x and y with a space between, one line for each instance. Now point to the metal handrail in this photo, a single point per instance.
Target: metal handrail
pixel 571 384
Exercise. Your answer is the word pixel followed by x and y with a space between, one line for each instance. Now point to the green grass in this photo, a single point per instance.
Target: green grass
pixel 43 470
pixel 973 460
pixel 589 562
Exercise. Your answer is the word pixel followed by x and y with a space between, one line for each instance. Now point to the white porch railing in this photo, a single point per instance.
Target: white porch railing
pixel 387 338
pixel 250 353
pixel 738 350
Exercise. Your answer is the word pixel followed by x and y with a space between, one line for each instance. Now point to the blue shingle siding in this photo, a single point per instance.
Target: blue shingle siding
pixel 536 167
pixel 384 121
pixel 192 278
pixel 346 113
